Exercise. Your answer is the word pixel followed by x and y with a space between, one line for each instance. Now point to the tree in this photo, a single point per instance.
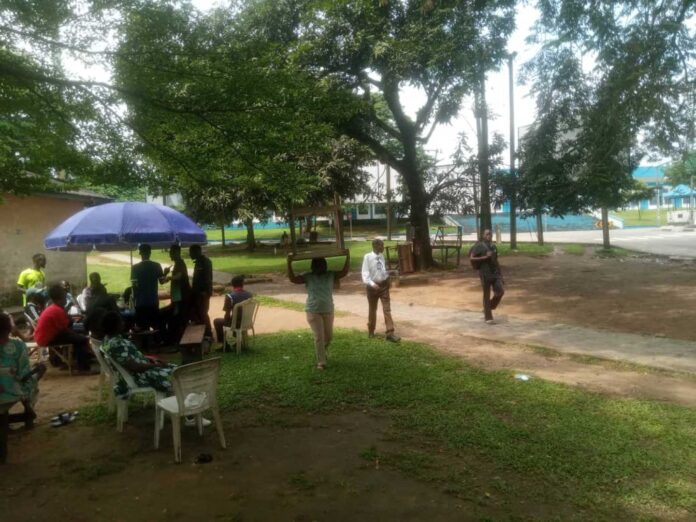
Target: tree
pixel 51 125
pixel 682 171
pixel 639 192
pixel 641 82
pixel 368 53
pixel 219 111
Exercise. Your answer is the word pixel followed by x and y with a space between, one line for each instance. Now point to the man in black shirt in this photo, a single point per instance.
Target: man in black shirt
pixel 484 255
pixel 201 288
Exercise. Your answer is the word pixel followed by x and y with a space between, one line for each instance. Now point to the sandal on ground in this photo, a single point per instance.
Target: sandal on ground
pixel 321 366
pixel 64 418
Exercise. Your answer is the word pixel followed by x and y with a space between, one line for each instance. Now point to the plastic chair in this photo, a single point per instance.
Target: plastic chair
pixel 107 378
pixel 199 380
pixel 248 310
pixel 133 389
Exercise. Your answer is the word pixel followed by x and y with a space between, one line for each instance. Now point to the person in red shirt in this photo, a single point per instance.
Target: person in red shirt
pixel 53 328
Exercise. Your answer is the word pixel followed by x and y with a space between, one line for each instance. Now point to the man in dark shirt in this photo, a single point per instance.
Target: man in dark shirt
pixel 237 295
pixel 145 278
pixel 484 255
pixel 201 288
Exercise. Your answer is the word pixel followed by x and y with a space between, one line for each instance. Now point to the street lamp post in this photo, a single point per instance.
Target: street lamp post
pixel 513 173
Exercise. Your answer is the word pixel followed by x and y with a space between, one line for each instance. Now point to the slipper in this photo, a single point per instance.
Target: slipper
pixel 63 419
pixel 204 458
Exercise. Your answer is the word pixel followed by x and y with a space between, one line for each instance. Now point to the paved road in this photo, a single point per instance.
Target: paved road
pixel 670 241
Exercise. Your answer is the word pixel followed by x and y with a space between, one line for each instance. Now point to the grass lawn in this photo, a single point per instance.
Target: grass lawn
pixel 573 249
pixel 647 218
pixel 237 260
pixel 483 437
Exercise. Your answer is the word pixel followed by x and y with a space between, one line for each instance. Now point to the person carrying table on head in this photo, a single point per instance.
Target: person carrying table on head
pixel 320 283
pixel 32 277
pixel 484 257
pixel 376 279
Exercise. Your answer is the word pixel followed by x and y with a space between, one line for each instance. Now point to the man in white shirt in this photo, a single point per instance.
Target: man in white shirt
pixel 376 279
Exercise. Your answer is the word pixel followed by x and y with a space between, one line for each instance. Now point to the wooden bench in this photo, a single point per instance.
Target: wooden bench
pixel 191 344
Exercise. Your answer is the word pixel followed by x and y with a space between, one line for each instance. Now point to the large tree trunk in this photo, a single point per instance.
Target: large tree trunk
pixel 419 217
pixel 251 240
pixel 540 227
pixel 483 160
pixel 605 228
pixel 222 233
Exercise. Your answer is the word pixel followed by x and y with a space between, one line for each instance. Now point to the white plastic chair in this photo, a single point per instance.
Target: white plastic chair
pixel 248 309
pixel 197 381
pixel 107 378
pixel 133 389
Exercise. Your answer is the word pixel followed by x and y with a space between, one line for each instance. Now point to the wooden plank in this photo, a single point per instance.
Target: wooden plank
pixel 318 252
pixel 325 210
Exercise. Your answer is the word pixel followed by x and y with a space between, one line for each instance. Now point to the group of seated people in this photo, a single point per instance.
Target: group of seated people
pixel 57 318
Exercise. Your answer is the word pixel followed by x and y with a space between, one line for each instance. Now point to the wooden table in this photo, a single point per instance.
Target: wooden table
pixel 191 343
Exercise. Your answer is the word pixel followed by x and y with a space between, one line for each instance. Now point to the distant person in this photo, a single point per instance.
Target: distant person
pixel 236 296
pixel 201 288
pixel 71 305
pixel 18 379
pixel 484 257
pixel 145 277
pixel 319 308
pixel 100 304
pixel 375 276
pixel 32 277
pixel 95 284
pixel 176 315
pixel 53 329
pixel 285 241
pixel 36 302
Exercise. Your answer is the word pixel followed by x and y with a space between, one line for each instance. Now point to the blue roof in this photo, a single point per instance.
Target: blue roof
pixel 678 192
pixel 656 173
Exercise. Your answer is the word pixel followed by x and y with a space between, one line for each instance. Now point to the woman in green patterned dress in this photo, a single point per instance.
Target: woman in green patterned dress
pixel 18 380
pixel 146 372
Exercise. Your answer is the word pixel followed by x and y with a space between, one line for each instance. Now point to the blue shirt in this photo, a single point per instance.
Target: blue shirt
pixel 146 275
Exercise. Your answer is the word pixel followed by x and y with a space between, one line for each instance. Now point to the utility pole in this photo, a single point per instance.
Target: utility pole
pixel 513 172
pixel 389 208
pixel 483 159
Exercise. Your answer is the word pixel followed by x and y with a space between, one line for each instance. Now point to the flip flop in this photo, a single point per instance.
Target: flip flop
pixel 63 419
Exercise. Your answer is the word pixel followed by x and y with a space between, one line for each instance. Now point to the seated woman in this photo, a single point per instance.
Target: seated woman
pixel 100 303
pixel 145 372
pixel 18 380
pixel 95 286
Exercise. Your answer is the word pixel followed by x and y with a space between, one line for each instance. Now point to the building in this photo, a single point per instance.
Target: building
pixel 24 222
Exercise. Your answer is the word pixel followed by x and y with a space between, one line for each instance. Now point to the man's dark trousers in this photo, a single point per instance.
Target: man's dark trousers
pixel 489 304
pixel 199 312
